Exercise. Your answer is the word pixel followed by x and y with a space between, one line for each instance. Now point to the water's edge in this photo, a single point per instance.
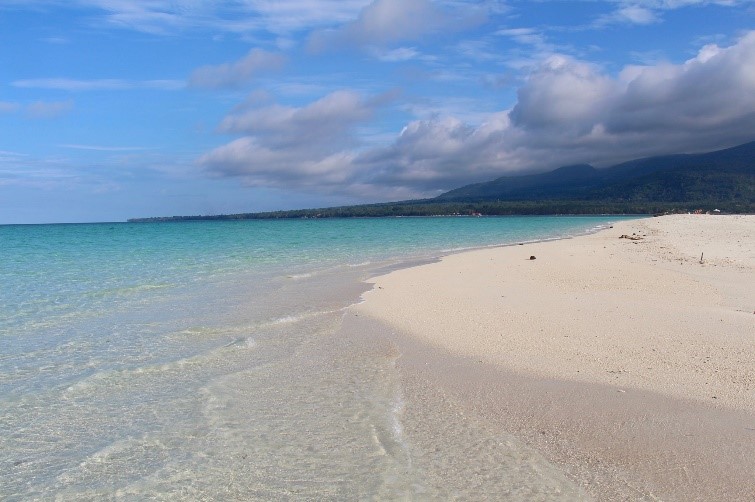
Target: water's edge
pixel 250 384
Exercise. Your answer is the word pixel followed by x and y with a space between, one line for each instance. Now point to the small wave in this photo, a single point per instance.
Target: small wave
pixel 291 319
pixel 318 271
pixel 305 275
pixel 286 320
pixel 357 265
pixel 146 287
pixel 461 249
pixel 216 331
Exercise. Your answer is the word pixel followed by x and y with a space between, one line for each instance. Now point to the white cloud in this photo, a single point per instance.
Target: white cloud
pixel 568 111
pixel 636 15
pixel 465 108
pixel 291 147
pixel 561 93
pixel 397 55
pixel 478 50
pixel 534 47
pixel 380 18
pixel 236 73
pixel 324 117
pixel 528 36
pixel 237 16
pixel 645 12
pixel 712 92
pixel 75 85
pixel 299 15
pixel 67 84
pixel 6 155
pixel 385 22
pixel 260 165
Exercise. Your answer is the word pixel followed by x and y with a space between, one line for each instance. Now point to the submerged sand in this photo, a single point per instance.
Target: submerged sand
pixel 629 362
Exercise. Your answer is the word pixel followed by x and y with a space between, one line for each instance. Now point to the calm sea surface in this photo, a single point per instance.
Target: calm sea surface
pixel 200 360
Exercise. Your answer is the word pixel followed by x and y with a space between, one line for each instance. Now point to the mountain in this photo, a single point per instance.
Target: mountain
pixel 564 180
pixel 727 175
pixel 723 179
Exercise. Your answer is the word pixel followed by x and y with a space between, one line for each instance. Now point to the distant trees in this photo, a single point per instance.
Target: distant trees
pixel 490 208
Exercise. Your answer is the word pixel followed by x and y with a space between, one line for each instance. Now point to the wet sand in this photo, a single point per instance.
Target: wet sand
pixel 627 363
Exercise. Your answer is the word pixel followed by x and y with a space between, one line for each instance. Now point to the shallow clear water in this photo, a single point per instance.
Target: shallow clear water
pixel 200 359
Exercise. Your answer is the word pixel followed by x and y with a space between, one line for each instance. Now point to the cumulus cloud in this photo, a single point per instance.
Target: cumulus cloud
pixel 290 146
pixel 561 93
pixel 636 15
pixel 568 111
pixel 318 124
pixel 258 164
pixel 629 14
pixel 431 155
pixel 385 22
pixel 237 73
pixel 713 92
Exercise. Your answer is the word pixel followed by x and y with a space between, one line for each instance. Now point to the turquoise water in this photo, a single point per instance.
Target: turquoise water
pixel 186 360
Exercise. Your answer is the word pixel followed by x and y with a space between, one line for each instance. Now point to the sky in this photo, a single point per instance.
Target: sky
pixel 112 109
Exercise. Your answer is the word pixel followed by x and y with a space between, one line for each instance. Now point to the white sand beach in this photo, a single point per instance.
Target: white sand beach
pixel 629 362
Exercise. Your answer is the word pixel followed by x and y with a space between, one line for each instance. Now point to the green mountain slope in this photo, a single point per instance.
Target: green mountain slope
pixel 723 180
pixel 725 174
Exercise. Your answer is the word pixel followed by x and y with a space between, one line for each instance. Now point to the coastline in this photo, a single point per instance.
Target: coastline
pixel 206 362
pixel 627 363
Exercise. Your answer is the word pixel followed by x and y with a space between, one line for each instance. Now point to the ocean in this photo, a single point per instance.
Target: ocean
pixel 206 361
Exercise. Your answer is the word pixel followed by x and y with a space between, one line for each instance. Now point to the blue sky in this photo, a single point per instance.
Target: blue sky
pixel 111 109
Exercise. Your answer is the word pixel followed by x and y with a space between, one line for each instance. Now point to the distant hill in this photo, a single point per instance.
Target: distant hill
pixel 723 179
pixel 727 175
pixel 568 180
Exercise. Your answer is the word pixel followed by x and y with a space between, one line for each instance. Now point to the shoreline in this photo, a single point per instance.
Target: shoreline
pixel 624 362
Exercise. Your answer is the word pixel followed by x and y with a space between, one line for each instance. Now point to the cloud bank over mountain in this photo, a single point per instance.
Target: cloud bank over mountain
pixel 567 111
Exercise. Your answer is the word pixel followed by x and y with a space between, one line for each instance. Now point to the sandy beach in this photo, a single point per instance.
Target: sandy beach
pixel 627 362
